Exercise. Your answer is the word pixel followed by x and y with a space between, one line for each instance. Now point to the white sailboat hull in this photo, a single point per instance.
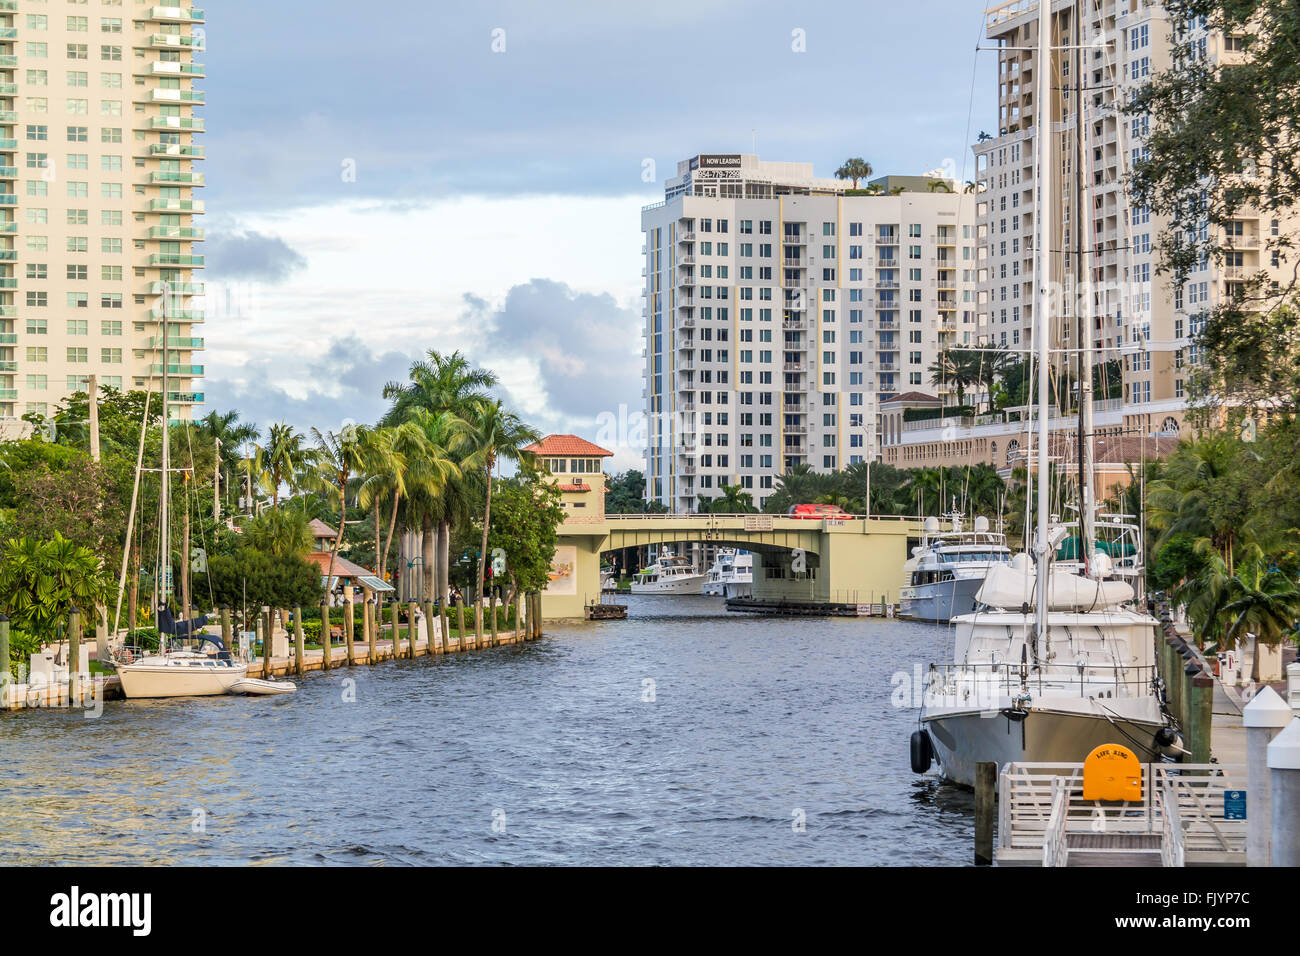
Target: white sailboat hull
pixel 148 679
pixel 1054 731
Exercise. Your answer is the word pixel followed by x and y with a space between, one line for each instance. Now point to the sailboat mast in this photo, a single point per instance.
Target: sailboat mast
pixel 1084 249
pixel 164 571
pixel 1043 140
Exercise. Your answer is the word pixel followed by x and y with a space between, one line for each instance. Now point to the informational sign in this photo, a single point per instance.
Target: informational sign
pixel 1234 804
pixel 715 166
pixel 758 523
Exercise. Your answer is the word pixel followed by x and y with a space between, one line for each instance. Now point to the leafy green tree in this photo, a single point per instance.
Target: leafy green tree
pixel 1265 602
pixel 525 520
pixel 251 578
pixel 1222 146
pixel 280 532
pixel 337 458
pixel 41 581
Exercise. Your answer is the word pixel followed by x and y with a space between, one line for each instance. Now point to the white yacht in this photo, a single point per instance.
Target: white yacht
pixel 948 567
pixel 732 574
pixel 670 574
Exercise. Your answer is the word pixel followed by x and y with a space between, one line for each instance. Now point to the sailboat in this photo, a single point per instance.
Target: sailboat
pixel 1054 661
pixel 171 672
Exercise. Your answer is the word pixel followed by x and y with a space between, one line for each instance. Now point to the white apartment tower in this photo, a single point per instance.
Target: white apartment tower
pixel 1104 51
pixel 781 308
pixel 98 143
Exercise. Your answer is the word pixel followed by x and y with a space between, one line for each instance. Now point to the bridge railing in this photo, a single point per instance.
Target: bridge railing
pixel 680 515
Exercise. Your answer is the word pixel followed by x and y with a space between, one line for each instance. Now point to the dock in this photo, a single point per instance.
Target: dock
pixel 789 608
pixel 1181 819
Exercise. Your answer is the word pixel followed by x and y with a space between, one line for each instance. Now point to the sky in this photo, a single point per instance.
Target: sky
pixel 470 176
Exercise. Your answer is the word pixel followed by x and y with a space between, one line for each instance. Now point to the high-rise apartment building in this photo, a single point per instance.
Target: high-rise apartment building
pixel 782 308
pixel 1104 51
pixel 98 143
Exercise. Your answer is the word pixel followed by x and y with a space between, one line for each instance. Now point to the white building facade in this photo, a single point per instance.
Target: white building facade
pixel 99 164
pixel 781 308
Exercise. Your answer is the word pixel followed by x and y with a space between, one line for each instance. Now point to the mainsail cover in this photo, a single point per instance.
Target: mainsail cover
pixel 167 624
pixel 1011 587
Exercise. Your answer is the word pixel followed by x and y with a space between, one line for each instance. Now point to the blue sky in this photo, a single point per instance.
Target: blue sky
pixel 470 175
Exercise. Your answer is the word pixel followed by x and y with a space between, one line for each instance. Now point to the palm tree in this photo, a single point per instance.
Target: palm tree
pixel 441 384
pixel 279 459
pixel 230 434
pixel 1187 499
pixel 855 169
pixel 337 458
pixel 497 433
pixel 734 500
pixel 1265 602
pixel 937 185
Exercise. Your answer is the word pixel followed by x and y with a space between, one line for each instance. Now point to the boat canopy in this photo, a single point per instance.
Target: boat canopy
pixel 1070 548
pixel 167 624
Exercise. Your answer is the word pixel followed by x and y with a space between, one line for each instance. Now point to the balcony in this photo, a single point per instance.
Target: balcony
pixel 172 68
pixel 174 259
pixel 180 150
pixel 8 311
pixel 8 117
pixel 184 344
pixel 8 145
pixel 162 176
pixel 176 369
pixel 175 41
pixel 177 315
pixel 176 232
pixel 8 89
pixel 8 338
pixel 8 394
pixel 173 15
pixel 8 62
pixel 176 96
pixel 176 288
pixel 794 239
pixel 185 398
pixel 8 172
pixel 176 205
pixel 8 282
pixel 176 122
pixel 8 255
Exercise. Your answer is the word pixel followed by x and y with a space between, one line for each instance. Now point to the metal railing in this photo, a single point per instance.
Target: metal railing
pixel 988 682
pixel 1181 802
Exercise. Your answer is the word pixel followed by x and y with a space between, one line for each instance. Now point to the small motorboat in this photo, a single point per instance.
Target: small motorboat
pixel 259 687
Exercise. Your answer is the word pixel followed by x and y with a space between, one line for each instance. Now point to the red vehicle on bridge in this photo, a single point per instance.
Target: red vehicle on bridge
pixel 817 511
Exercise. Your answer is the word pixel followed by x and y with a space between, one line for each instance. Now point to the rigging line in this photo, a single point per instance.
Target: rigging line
pixel 135 496
pixel 203 541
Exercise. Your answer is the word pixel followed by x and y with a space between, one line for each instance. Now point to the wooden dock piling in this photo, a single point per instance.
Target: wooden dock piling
pixel 460 623
pixel 478 623
pixel 325 634
pixel 258 638
pixel 74 654
pixel 372 629
pixel 5 676
pixel 410 629
pixel 986 783
pixel 299 641
pixel 492 607
pixel 350 630
pixel 225 627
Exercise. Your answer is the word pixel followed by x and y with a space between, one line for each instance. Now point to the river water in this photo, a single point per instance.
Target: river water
pixel 683 735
